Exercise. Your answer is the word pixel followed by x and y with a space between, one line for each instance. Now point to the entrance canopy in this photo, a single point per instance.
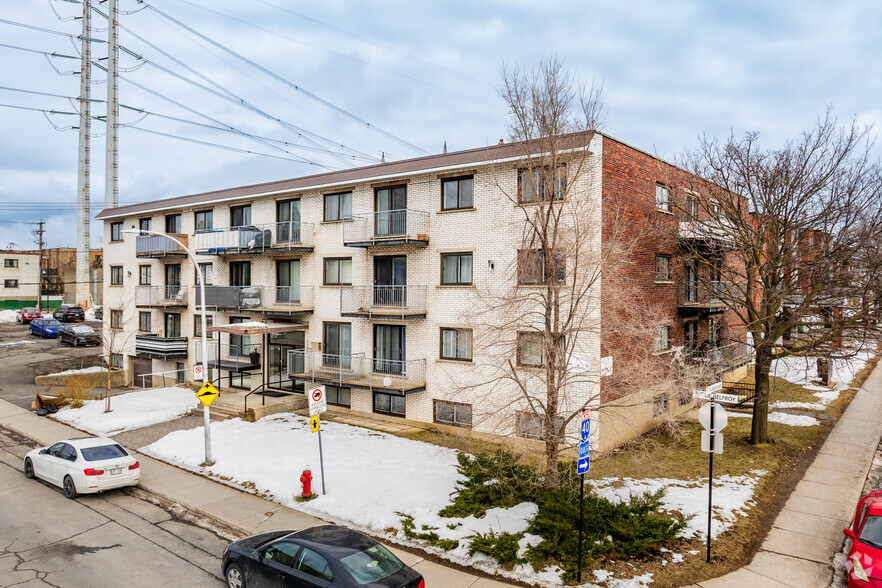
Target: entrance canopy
pixel 257 328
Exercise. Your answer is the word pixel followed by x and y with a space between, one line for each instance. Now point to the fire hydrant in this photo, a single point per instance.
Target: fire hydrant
pixel 306 483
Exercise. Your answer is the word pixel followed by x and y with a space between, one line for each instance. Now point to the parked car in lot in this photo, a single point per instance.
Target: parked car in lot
pixel 45 327
pixel 79 335
pixel 326 556
pixel 83 465
pixel 69 312
pixel 99 313
pixel 26 315
pixel 864 563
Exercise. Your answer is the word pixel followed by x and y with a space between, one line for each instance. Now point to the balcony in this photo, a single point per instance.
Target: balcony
pixel 243 356
pixel 173 296
pixel 403 302
pixel 717 232
pixel 357 371
pixel 252 239
pixel 708 297
pixel 387 227
pixel 278 300
pixel 165 348
pixel 159 246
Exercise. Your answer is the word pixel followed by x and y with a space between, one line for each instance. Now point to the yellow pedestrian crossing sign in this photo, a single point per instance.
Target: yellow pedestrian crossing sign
pixel 207 393
pixel 314 423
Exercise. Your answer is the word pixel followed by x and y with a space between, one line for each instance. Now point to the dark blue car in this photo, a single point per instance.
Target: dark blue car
pixel 45 327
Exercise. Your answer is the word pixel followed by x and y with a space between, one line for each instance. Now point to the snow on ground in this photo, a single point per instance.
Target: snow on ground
pixel 8 316
pixel 804 370
pixel 732 498
pixel 824 400
pixel 133 410
pixel 88 370
pixel 14 343
pixel 795 420
pixel 90 313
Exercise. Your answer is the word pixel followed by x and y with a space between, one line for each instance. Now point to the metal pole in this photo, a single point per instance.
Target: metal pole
pixel 321 460
pixel 581 508
pixel 84 160
pixel 111 186
pixel 710 480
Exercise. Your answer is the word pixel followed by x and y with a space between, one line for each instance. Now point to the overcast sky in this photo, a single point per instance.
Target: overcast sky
pixel 399 78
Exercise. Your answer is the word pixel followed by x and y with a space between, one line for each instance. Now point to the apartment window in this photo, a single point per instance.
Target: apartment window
pixel 173 224
pixel 116 231
pixel 662 197
pixel 456 268
pixel 240 216
pixel 457 414
pixel 240 345
pixel 144 275
pixel 144 224
pixel 116 361
pixel 116 318
pixel 338 271
pixel 172 325
pixel 144 322
pixel 691 205
pixel 532 426
pixel 240 273
pixel 456 344
pixel 535 185
pixel 197 325
pixel 662 268
pixel 10 283
pixel 662 338
pixel 660 405
pixel 531 351
pixel 533 268
pixel 337 340
pixel 338 396
pixel 10 263
pixel 714 210
pixel 204 220
pixel 116 275
pixel 389 404
pixel 207 270
pixel 458 193
pixel 338 206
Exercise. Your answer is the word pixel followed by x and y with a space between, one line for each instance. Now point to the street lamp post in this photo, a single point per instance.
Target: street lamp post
pixel 206 411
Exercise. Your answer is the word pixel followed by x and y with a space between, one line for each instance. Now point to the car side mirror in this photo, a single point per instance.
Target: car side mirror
pixel 44 451
pixel 848 533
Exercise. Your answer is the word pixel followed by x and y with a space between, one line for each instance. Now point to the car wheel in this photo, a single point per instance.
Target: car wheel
pixel 235 577
pixel 74 342
pixel 29 469
pixel 70 490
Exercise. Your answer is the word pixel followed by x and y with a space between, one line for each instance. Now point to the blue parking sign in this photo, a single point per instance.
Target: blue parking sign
pixel 586 429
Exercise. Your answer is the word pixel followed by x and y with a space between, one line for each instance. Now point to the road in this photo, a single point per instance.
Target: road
pixel 112 539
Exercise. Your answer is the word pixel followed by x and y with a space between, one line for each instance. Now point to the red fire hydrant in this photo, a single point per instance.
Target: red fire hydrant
pixel 306 483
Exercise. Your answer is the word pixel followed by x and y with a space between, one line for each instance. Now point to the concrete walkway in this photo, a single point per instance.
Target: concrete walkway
pixel 799 549
pixel 233 508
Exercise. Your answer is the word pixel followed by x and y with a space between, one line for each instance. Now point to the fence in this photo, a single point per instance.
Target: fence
pixel 388 300
pixel 176 377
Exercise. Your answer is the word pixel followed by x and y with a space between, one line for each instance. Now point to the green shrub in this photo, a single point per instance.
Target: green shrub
pixel 431 537
pixel 503 547
pixel 491 481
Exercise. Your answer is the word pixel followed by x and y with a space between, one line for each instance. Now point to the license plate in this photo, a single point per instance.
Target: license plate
pixel 115 471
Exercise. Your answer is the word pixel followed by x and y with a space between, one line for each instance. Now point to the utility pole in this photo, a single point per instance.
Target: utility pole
pixel 84 160
pixel 39 234
pixel 111 174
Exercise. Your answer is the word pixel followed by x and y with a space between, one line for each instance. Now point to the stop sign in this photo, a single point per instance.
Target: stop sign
pixel 721 418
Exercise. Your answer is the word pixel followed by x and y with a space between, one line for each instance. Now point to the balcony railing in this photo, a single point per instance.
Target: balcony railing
pixel 161 296
pixel 387 227
pixel 234 297
pixel 292 299
pixel 384 301
pixel 240 356
pixel 358 371
pixel 161 347
pixel 159 246
pixel 717 231
pixel 280 236
pixel 711 296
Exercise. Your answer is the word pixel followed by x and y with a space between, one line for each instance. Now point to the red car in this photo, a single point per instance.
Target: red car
pixel 864 563
pixel 26 315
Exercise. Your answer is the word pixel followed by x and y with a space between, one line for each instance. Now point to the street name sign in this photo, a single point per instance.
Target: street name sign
pixel 318 402
pixel 207 393
pixel 715 396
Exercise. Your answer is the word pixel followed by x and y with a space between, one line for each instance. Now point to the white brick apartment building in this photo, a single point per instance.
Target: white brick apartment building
pixel 19 279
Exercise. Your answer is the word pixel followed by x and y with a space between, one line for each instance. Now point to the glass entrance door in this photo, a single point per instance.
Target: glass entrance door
pixel 288 221
pixel 389 345
pixel 279 346
pixel 390 205
pixel 390 281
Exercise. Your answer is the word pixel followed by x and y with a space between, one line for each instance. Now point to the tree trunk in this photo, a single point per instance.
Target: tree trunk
pixel 759 432
pixel 552 442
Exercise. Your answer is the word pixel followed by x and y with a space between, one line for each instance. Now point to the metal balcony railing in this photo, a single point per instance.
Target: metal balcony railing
pixel 292 298
pixel 717 231
pixel 386 227
pixel 387 301
pixel 358 371
pixel 159 246
pixel 242 355
pixel 713 295
pixel 279 236
pixel 161 347
pixel 234 297
pixel 161 296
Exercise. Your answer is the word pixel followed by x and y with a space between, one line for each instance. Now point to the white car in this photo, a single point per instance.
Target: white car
pixel 83 465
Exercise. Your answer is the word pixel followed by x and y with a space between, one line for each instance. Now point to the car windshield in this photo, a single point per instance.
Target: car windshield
pixel 102 452
pixel 51 323
pixel 83 330
pixel 31 310
pixel 372 565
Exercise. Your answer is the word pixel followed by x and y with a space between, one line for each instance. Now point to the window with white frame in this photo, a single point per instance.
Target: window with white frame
pixel 456 344
pixel 662 338
pixel 532 426
pixel 458 414
pixel 662 197
pixel 144 321
pixel 116 318
pixel 144 272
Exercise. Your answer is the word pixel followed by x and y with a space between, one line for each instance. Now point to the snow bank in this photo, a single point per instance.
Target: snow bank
pixel 802 371
pixel 796 420
pixel 88 370
pixel 130 411
pixel 13 343
pixel 8 316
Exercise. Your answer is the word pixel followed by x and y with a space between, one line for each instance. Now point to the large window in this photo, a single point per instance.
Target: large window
pixel 240 216
pixel 456 344
pixel 144 224
pixel 116 231
pixel 389 404
pixel 662 198
pixel 338 339
pixel 116 275
pixel 691 205
pixel 144 272
pixel 116 318
pixel 533 268
pixel 457 193
pixel 197 325
pixel 204 220
pixel 338 206
pixel 207 270
pixel 457 414
pixel 535 185
pixel 240 273
pixel 338 271
pixel 456 268
pixel 172 325
pixel 10 263
pixel 662 338
pixel 144 320
pixel 338 396
pixel 662 268
pixel 173 224
pixel 531 349
pixel 532 426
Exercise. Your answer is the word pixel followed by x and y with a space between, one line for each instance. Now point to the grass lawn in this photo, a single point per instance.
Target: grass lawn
pixel 673 452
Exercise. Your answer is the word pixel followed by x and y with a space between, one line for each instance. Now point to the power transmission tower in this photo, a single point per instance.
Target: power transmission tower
pixel 111 179
pixel 84 160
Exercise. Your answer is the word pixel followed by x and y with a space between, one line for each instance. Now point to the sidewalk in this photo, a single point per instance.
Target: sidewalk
pixel 799 549
pixel 234 508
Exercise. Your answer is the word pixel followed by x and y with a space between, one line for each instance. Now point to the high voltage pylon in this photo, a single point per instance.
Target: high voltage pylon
pixel 84 159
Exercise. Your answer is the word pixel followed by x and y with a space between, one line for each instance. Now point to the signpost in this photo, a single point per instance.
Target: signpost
pixel 582 466
pixel 318 403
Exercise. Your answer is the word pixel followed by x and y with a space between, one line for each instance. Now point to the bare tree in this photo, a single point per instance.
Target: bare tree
pixel 803 222
pixel 114 341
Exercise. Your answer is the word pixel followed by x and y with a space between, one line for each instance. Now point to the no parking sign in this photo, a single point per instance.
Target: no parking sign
pixel 318 402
